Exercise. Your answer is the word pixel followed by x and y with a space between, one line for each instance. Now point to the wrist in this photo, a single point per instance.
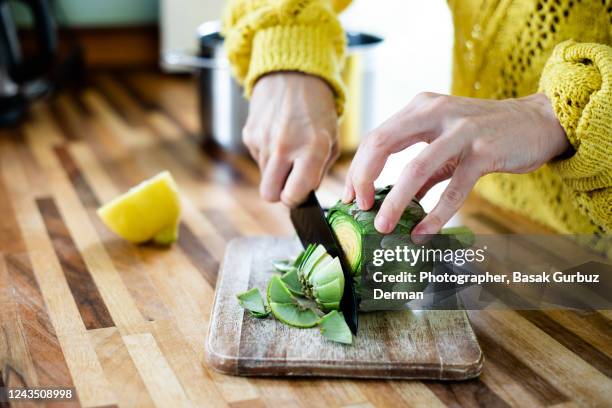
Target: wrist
pixel 551 127
pixel 300 92
pixel 297 80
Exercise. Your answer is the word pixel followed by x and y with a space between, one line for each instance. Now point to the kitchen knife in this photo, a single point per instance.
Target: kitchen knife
pixel 312 228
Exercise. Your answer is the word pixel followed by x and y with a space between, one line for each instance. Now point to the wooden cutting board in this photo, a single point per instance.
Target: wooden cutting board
pixel 415 345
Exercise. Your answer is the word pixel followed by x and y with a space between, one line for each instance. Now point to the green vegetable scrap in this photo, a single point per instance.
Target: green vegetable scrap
pixel 292 281
pixel 252 301
pixel 286 308
pixel 333 327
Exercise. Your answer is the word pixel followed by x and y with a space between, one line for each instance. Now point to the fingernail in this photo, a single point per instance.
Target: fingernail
pixel 420 235
pixel 382 224
pixel 346 197
pixel 360 203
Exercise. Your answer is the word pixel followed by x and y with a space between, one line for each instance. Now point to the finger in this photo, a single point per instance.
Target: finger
pixel 304 177
pixel 248 141
pixel 363 189
pixel 262 159
pixel 452 199
pixel 273 178
pixel 412 179
pixel 368 163
pixel 254 153
pixel 434 180
pixel 349 193
pixel 419 121
pixel 444 173
pixel 333 156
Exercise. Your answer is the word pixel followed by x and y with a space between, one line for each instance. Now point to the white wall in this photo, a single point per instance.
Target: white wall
pixel 180 18
pixel 416 55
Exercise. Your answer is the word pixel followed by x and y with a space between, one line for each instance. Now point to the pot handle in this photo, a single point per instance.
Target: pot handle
pixel 186 60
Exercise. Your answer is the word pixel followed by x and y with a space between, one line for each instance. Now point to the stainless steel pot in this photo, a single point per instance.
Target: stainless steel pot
pixel 223 108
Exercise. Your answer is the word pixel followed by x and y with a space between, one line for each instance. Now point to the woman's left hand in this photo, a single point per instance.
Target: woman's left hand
pixel 467 139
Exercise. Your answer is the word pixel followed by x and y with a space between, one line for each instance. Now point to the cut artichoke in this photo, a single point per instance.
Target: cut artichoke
pixel 317 277
pixel 351 225
pixel 286 308
pixel 321 277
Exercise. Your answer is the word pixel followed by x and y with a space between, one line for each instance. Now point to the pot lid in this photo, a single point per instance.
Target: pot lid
pixel 209 35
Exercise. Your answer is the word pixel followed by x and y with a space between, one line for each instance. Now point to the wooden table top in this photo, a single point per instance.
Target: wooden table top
pixel 125 325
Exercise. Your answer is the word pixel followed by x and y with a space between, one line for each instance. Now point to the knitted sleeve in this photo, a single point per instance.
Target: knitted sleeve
pixel 578 81
pixel 263 36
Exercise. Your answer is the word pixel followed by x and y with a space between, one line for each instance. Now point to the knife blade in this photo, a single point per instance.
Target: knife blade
pixel 312 228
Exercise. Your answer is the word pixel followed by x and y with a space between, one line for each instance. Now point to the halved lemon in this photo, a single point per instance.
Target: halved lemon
pixel 149 211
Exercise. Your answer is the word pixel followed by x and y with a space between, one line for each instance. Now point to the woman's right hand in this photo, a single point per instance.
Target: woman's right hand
pixel 291 132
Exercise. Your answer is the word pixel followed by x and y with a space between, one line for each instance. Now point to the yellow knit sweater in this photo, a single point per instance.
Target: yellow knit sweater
pixel 503 49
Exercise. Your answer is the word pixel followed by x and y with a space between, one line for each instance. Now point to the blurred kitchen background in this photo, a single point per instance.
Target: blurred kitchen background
pixel 156 35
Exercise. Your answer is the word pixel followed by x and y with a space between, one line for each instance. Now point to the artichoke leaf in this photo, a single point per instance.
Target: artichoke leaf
pixel 286 308
pixel 252 301
pixel 292 282
pixel 333 327
pixel 283 265
pixel 321 277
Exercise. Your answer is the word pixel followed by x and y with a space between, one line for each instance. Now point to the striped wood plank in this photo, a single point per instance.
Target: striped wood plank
pixel 125 325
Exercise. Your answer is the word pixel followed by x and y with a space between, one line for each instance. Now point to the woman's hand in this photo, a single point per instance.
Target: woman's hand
pixel 467 139
pixel 291 133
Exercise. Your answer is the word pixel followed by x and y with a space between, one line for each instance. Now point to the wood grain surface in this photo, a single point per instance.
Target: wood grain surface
pixel 438 345
pixel 126 325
